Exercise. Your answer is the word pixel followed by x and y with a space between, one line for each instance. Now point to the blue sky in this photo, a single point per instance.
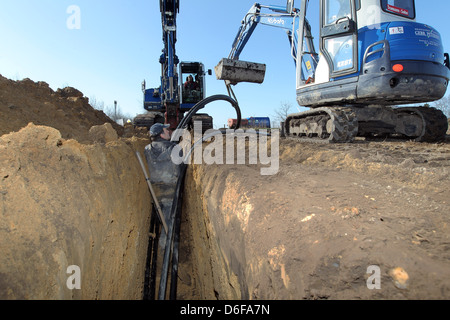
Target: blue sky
pixel 119 43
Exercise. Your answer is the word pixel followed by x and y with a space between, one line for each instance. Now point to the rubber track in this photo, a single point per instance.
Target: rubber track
pixel 148 119
pixel 435 123
pixel 344 123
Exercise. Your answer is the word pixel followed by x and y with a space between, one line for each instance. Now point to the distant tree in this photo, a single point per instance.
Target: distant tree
pixel 281 113
pixel 99 105
pixel 114 113
pixel 443 105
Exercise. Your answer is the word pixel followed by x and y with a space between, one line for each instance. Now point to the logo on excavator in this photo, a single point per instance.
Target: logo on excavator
pixel 427 33
pixel 276 21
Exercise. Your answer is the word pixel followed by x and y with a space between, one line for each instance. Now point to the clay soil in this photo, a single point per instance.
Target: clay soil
pixel 71 193
pixel 319 228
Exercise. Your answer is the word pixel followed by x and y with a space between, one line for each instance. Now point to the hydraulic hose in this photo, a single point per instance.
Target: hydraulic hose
pixel 200 105
pixel 173 235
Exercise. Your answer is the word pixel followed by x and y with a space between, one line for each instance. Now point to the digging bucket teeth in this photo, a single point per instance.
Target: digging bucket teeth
pixel 236 71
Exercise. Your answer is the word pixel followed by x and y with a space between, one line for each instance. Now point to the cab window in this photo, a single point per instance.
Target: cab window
pixel 192 88
pixel 336 10
pixel 402 8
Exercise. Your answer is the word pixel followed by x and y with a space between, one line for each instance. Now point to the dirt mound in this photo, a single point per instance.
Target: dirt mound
pixel 72 194
pixel 67 110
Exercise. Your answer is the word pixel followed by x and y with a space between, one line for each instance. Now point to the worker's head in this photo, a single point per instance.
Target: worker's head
pixel 160 130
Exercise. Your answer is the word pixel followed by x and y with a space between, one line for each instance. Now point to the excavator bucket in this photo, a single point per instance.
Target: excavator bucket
pixel 236 71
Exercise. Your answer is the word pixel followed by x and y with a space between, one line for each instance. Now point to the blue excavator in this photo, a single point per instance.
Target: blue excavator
pixel 374 58
pixel 183 84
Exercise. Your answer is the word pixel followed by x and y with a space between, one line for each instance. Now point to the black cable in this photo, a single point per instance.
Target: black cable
pixel 174 275
pixel 148 279
pixel 152 254
pixel 200 105
pixel 173 235
pixel 170 235
pixel 154 261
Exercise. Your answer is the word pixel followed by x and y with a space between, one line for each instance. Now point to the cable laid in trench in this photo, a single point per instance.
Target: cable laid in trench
pixel 152 254
pixel 173 234
pixel 174 275
pixel 176 211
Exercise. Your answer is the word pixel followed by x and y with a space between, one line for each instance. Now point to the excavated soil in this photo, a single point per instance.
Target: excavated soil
pixel 73 193
pixel 332 218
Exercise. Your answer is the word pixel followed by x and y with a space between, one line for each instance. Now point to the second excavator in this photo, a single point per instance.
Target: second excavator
pixel 373 58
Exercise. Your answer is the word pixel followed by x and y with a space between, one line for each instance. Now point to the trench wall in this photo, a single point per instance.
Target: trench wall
pixel 217 209
pixel 314 229
pixel 65 204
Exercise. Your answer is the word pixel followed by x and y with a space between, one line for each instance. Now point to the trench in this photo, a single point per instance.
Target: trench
pixel 73 199
pixel 189 247
pixel 308 232
pixel 210 264
pixel 217 207
pixel 75 210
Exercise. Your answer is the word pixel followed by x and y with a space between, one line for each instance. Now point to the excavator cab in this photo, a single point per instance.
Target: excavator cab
pixel 372 52
pixel 192 83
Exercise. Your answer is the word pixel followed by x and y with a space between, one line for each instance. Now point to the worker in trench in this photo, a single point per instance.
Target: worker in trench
pixel 164 173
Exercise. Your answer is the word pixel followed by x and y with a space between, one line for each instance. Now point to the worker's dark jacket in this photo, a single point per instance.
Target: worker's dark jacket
pixel 162 169
pixel 164 176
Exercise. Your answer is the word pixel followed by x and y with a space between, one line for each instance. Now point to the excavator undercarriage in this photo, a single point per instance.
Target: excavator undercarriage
pixel 344 124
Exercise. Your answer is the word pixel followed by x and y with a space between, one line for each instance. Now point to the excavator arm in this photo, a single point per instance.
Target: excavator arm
pixel 291 19
pixel 169 60
pixel 279 17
